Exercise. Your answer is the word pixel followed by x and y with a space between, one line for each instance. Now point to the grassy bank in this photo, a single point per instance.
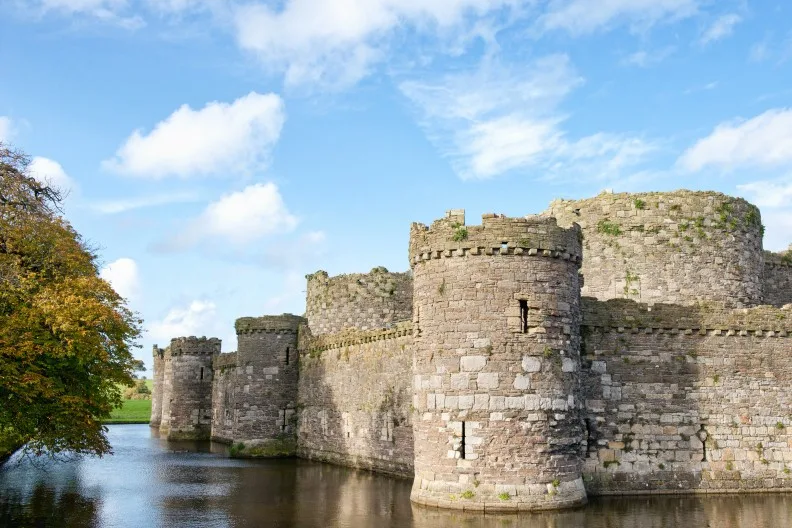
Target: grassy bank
pixel 131 411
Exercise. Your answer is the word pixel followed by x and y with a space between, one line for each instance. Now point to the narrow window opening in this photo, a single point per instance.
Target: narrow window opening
pixel 202 372
pixel 283 425
pixel 287 355
pixel 462 443
pixel 524 316
pixel 504 247
pixel 702 435
pixel 588 437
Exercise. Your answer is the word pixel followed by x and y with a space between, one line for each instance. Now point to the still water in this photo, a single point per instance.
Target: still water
pixel 152 483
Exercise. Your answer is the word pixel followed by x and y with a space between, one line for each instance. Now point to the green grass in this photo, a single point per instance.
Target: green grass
pixel 132 411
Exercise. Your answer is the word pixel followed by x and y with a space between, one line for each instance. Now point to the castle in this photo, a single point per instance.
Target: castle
pixel 622 344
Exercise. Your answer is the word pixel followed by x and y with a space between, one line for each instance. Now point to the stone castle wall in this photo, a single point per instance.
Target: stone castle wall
pixel 224 386
pixel 497 386
pixel 497 317
pixel 678 247
pixel 778 278
pixel 363 301
pixel 687 398
pixel 355 397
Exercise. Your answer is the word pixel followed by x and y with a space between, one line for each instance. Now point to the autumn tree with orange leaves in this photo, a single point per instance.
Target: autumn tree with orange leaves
pixel 65 334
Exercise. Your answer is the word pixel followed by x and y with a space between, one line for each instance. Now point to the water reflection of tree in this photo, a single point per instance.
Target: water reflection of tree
pixel 46 508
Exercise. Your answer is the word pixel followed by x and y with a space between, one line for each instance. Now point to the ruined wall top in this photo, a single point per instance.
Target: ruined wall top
pixel 278 324
pixel 671 247
pixel 194 346
pixel 782 258
pixel 363 301
pixel 497 234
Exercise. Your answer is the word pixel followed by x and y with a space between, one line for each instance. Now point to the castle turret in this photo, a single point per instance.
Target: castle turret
pixel 156 390
pixel 671 247
pixel 267 372
pixel 496 387
pixel 188 411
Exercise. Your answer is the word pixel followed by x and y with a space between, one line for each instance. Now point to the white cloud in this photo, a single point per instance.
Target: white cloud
pixel 336 43
pixel 220 138
pixel 110 11
pixel 778 229
pixel 50 172
pixel 6 129
pixel 128 204
pixel 123 276
pixel 580 17
pixel 494 121
pixel 239 218
pixel 721 28
pixel 197 319
pixel 765 140
pixel 643 58
pixel 769 193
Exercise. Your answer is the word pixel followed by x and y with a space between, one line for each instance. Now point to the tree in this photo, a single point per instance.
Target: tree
pixel 65 334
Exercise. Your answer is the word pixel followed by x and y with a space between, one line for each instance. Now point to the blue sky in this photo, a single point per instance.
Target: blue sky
pixel 216 151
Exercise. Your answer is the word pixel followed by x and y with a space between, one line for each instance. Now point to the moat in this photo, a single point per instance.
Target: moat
pixel 153 483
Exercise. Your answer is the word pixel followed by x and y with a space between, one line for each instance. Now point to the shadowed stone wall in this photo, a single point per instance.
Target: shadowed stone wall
pixel 687 398
pixel 496 372
pixel 156 386
pixel 364 301
pixel 265 397
pixel 354 399
pixel 224 388
pixel 677 247
pixel 190 409
pixel 778 278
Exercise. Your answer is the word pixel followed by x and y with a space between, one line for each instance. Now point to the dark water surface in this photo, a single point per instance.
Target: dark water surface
pixel 153 483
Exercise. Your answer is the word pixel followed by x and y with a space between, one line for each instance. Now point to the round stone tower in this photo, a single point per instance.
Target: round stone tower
pixel 674 247
pixel 156 390
pixel 267 375
pixel 496 315
pixel 190 405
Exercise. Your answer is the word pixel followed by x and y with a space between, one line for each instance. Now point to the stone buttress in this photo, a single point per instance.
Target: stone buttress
pixel 267 373
pixel 496 385
pixel 187 379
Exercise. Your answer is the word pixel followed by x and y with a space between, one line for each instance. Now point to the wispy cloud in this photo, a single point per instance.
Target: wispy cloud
pixel 644 59
pixel 499 119
pixel 128 204
pixel 722 27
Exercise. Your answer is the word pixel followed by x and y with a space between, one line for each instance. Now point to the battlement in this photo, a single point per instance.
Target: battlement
pixel 273 324
pixel 223 361
pixel 194 346
pixel 624 315
pixel 780 259
pixel 356 337
pixel 364 301
pixel 533 235
pixel 158 352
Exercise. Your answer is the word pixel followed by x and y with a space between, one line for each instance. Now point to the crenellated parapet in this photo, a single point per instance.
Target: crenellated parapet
pixel 533 235
pixel 677 247
pixel 269 324
pixel 194 346
pixel 364 301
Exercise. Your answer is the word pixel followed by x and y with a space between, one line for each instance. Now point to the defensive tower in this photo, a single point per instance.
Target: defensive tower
pixel 672 247
pixel 496 317
pixel 190 403
pixel 156 390
pixel 267 374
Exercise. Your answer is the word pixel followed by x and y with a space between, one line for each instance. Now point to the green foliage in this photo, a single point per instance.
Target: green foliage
pixel 442 288
pixel 661 466
pixel 779 425
pixel 608 228
pixel 630 279
pixel 140 391
pixel 729 466
pixel 609 463
pixel 460 232
pixel 504 496
pixel 716 378
pixel 467 494
pixel 65 334
pixel 639 204
pixel 556 483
